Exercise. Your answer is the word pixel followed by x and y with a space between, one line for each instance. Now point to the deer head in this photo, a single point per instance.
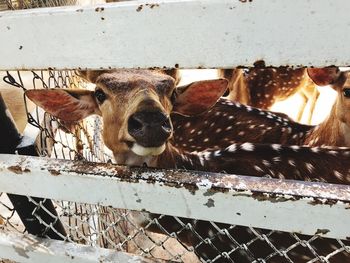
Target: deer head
pixel 335 130
pixel 135 106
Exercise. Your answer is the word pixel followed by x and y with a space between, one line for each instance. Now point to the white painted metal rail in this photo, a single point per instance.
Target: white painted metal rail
pixel 28 248
pixel 181 33
pixel 248 201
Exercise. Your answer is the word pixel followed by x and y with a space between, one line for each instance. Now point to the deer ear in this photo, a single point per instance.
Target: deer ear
pixel 90 75
pixel 324 76
pixel 199 96
pixel 68 105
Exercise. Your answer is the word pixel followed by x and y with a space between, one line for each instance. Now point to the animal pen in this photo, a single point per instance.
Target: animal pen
pixel 64 201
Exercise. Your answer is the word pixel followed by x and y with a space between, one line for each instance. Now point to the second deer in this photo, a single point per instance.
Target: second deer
pixel 232 122
pixel 262 87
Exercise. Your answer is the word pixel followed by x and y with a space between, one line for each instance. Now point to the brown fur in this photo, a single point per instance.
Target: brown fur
pixel 128 90
pixel 335 130
pixel 262 87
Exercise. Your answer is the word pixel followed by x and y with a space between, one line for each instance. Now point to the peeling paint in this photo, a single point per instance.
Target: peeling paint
pixel 139 8
pixel 20 251
pixel 54 172
pixel 15 169
pixel 210 203
pixel 99 9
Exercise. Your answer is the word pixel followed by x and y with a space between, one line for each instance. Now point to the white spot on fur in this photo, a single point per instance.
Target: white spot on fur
pixel 276 159
pixel 217 153
pixel 291 162
pixel 339 175
pixel 266 163
pixel 257 168
pixel 310 167
pixel 295 147
pixel 247 146
pixel 315 149
pixel 232 148
pixel 281 176
pixel 276 147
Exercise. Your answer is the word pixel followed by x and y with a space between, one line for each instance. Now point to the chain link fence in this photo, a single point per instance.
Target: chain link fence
pixel 160 237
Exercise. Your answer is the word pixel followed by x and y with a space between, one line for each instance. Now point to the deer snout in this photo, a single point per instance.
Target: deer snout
pixel 149 128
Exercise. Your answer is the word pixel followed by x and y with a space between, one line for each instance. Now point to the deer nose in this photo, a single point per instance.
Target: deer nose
pixel 149 129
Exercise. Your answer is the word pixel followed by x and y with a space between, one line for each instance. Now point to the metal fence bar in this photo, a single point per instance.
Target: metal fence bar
pixel 9 139
pixel 221 33
pixel 28 248
pixel 248 201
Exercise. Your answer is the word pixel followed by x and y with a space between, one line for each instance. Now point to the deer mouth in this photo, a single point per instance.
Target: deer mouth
pixel 145 151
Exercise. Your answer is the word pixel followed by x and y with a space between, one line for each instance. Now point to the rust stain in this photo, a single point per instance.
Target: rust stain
pixel 54 172
pixel 318 201
pixel 152 5
pixel 139 8
pixel 209 192
pixel 15 169
pixel 273 198
pixel 99 9
pixel 210 203
pixel 322 231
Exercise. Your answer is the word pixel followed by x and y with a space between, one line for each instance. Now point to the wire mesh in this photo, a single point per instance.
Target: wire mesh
pixel 159 237
pixel 26 4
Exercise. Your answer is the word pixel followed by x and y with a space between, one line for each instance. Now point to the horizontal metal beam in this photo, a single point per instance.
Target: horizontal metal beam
pixel 27 248
pixel 293 206
pixel 177 33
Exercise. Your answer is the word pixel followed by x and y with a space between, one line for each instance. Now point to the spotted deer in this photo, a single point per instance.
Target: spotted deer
pixel 232 122
pixel 262 87
pixel 335 129
pixel 229 122
pixel 135 106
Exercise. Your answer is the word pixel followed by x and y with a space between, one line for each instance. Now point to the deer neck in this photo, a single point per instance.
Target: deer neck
pixel 174 157
pixel 331 132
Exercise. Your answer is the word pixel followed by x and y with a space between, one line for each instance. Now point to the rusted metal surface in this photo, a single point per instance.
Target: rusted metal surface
pixel 221 33
pixel 258 202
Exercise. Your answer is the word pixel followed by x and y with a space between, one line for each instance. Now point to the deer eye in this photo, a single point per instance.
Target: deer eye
pixel 100 96
pixel 346 92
